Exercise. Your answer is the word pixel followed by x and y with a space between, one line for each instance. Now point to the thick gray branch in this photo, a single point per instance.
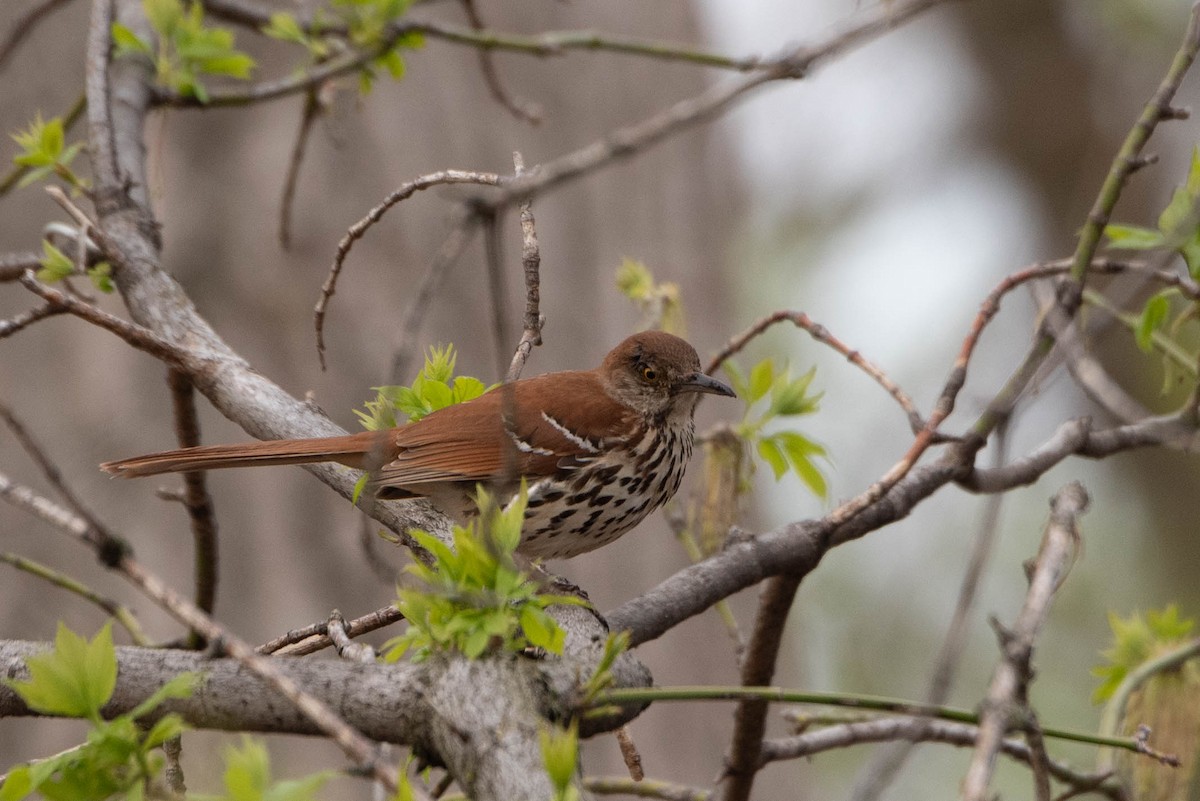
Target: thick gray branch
pixel 481 718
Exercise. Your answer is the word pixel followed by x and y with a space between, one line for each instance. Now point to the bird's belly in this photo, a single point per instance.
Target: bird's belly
pixel 598 503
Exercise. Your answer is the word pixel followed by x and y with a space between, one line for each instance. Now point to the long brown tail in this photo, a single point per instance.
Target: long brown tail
pixel 352 450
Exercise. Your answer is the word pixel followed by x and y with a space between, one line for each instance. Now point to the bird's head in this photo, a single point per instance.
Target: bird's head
pixel 658 375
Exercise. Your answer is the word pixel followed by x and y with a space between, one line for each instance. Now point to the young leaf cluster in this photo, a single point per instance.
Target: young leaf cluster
pixel 784 450
pixel 474 600
pixel 56 266
pixel 368 25
pixel 1135 640
pixel 187 48
pixel 659 302
pixel 435 387
pixel 77 679
pixel 248 777
pixel 44 151
pixel 1178 230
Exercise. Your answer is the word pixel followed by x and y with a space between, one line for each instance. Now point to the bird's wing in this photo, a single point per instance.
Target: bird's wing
pixel 558 421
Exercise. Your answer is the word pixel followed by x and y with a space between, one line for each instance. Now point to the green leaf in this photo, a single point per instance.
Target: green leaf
pixel 101 275
pixel 467 388
pixel 1132 237
pixel 393 62
pixel 541 630
pixel 789 397
pixel 762 375
pixel 52 137
pixel 772 454
pixel 18 784
pixel 55 264
pixel 76 679
pixel 799 451
pixel 1154 316
pixel 128 42
pixel 284 26
pixel 234 65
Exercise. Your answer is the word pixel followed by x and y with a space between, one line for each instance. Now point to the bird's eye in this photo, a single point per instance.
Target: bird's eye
pixel 649 373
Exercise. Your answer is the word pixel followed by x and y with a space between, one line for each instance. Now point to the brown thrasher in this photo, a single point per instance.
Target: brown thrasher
pixel 600 449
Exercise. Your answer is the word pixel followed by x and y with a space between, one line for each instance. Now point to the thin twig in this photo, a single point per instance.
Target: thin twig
pixel 531 263
pixel 461 231
pixel 1123 165
pixel 758 669
pixel 493 259
pixel 886 764
pixel 918 729
pixel 25 26
pixel 519 107
pixel 312 108
pixel 196 500
pixel 651 788
pixel 27 318
pixel 360 228
pixel 114 553
pixel 821 334
pixel 303 81
pixel 630 754
pixel 121 613
pixel 14 265
pixel 142 339
pixel 313 637
pixel 339 634
pixel 1006 697
pixel 47 466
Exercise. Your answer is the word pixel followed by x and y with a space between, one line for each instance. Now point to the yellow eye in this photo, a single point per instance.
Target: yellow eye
pixel 649 373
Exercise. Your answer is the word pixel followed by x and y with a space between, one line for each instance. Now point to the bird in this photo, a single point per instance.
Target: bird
pixel 598 450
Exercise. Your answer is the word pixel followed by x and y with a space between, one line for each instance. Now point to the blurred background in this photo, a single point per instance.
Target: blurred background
pixel 884 196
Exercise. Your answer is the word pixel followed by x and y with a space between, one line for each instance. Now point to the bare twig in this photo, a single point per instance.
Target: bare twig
pixel 313 638
pixel 24 26
pixel 531 263
pixel 121 613
pixel 47 466
pixel 339 634
pixel 1123 165
pixel 821 334
pixel 630 754
pixel 456 241
pixel 758 669
pixel 196 499
pixel 140 338
pixel 919 729
pixel 27 318
pixel 14 265
pixel 519 107
pixel 360 228
pixel 1007 696
pixel 493 257
pixel 879 773
pixel 115 554
pixel 666 791
pixel 312 109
